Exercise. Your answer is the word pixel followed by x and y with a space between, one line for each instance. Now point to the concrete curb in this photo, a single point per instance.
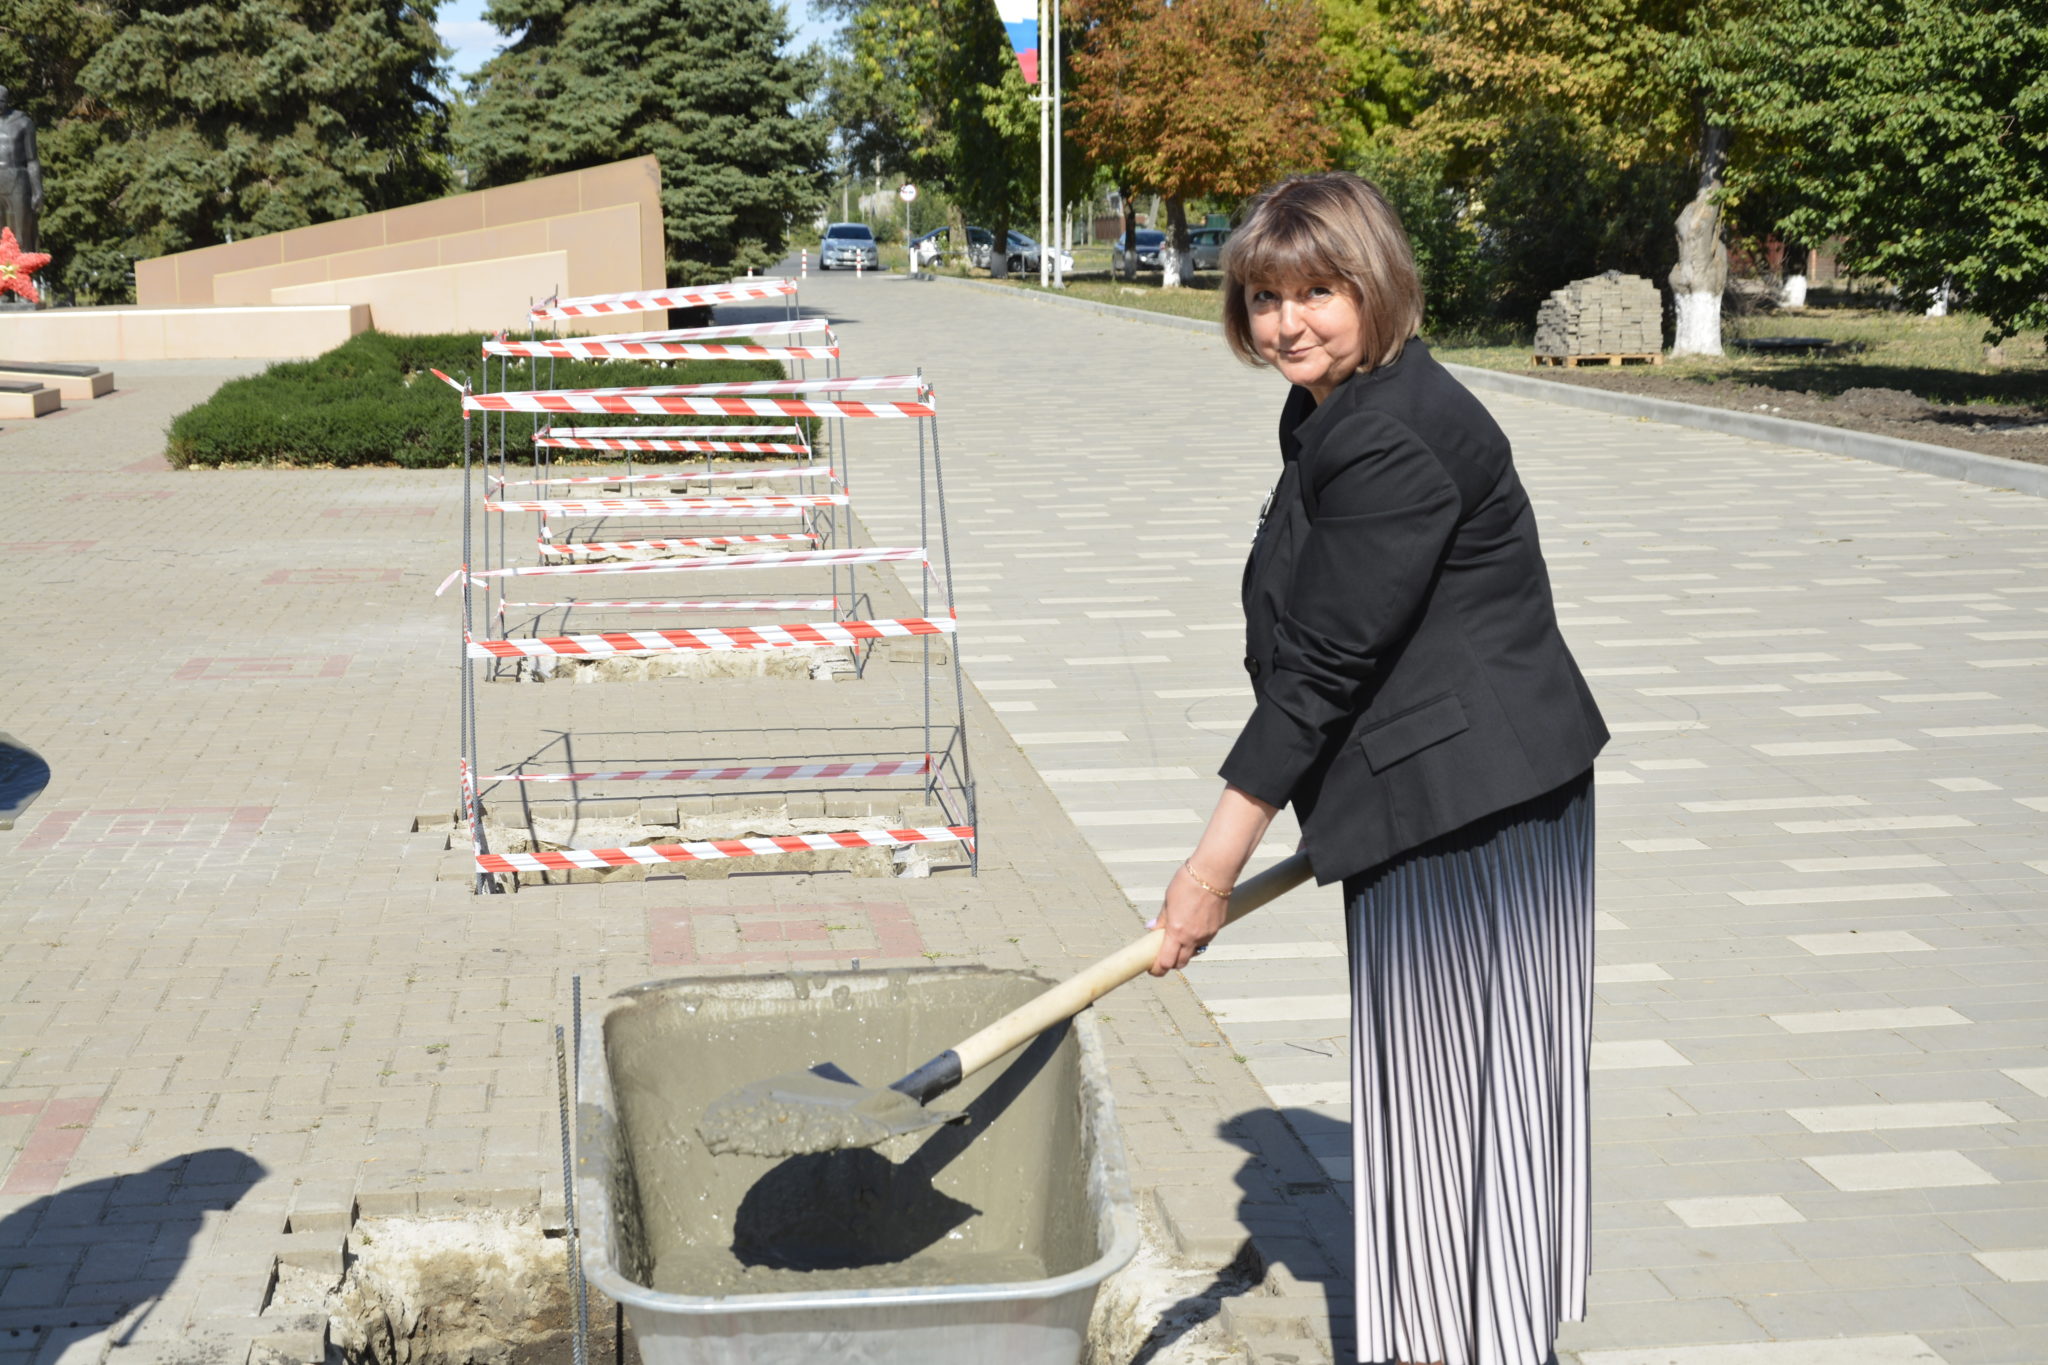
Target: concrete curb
pixel 1106 309
pixel 1992 471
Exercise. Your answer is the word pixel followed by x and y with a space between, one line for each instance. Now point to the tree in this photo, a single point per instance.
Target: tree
pixel 929 89
pixel 1629 75
pixel 704 85
pixel 1917 131
pixel 1375 88
pixel 1202 97
pixel 173 124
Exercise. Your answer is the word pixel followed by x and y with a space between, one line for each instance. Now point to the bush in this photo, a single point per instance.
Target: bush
pixel 371 401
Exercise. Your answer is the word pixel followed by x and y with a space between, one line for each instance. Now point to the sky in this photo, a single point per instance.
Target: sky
pixel 461 26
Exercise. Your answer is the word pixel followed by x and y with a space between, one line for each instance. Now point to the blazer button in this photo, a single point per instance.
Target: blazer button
pixel 1251 665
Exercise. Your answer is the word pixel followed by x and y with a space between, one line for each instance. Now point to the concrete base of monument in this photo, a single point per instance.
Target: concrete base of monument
pixel 106 335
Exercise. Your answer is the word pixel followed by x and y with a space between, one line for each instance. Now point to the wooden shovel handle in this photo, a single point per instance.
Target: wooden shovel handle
pixel 1091 983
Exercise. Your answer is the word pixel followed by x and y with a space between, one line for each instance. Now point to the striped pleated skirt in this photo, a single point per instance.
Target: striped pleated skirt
pixel 1471 982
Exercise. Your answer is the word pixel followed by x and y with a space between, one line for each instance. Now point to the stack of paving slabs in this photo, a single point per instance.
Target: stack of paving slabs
pixel 1606 315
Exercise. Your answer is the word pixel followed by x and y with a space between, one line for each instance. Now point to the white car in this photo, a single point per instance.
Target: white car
pixel 847 246
pixel 1023 257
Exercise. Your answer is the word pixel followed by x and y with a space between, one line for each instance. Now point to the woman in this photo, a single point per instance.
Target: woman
pixel 1418 708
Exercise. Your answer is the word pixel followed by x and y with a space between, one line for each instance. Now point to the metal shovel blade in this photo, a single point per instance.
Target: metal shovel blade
pixel 819 1110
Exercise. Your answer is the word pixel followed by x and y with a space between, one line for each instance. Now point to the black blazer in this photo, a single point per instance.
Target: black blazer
pixel 1400 634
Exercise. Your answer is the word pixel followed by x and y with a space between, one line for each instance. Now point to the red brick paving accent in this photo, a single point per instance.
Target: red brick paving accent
pixel 52 1142
pixel 150 464
pixel 378 512
pixel 330 576
pixel 49 547
pixel 122 495
pixel 246 669
pixel 150 827
pixel 781 935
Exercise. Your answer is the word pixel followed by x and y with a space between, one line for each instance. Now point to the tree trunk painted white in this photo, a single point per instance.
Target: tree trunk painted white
pixel 1172 267
pixel 1937 301
pixel 1793 295
pixel 1702 270
pixel 1696 330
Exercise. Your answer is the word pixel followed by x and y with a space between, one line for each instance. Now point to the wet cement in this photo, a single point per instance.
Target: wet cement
pixel 1000 1198
pixel 802 1112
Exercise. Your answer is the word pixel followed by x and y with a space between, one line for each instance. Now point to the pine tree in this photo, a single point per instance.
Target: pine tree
pixel 190 123
pixel 704 85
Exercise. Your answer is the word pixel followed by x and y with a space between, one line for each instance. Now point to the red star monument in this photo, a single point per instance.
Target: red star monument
pixel 17 265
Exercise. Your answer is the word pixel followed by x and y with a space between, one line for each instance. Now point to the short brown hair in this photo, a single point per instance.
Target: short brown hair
pixel 1337 229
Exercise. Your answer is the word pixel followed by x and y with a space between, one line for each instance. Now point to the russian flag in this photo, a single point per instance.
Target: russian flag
pixel 1020 21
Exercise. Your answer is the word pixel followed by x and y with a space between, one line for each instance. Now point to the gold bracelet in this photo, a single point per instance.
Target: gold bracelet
pixel 1196 878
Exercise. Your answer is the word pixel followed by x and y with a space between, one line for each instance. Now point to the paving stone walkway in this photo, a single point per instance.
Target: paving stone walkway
pixel 240 1006
pixel 1822 1030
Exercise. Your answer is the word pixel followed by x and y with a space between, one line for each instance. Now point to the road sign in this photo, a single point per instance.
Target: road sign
pixel 906 191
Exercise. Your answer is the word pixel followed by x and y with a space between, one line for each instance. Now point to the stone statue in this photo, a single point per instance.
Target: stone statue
pixel 21 174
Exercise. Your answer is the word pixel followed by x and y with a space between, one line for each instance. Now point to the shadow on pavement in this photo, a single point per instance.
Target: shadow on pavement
pixel 92 1253
pixel 23 776
pixel 1323 1135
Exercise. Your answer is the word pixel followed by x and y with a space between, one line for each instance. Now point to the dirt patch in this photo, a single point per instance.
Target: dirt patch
pixel 2013 430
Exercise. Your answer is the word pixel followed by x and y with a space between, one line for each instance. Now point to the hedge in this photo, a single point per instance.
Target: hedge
pixel 371 401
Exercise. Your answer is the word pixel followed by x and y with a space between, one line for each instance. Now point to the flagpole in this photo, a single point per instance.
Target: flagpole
pixel 1044 136
pixel 1059 196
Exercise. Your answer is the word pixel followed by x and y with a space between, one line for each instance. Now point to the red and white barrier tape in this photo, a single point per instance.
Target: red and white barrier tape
pixel 605 507
pixel 740 398
pixel 682 404
pixel 615 547
pixel 718 433
pixel 781 327
pixel 573 349
pixel 663 443
pixel 724 387
pixel 796 559
pixel 605 644
pixel 653 855
pixel 778 772
pixel 738 604
pixel 650 300
pixel 680 476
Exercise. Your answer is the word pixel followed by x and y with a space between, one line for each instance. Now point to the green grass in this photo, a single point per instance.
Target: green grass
pixel 1941 360
pixel 1938 359
pixel 371 401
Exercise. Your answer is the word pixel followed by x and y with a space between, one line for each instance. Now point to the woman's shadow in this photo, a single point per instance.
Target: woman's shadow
pixel 81 1259
pixel 1324 1136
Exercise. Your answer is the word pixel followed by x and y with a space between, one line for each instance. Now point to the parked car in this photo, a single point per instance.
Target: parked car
pixel 1023 257
pixel 1208 244
pixel 931 248
pixel 1150 242
pixel 847 245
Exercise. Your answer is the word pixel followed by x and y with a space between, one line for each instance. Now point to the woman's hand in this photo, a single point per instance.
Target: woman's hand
pixel 1192 913
pixel 1191 917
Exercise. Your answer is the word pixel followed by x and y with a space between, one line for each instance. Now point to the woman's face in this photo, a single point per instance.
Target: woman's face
pixel 1311 332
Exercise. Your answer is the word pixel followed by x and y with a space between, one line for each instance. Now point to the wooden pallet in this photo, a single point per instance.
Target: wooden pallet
pixel 1572 362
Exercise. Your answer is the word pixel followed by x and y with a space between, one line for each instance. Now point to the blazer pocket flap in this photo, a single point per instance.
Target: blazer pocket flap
pixel 1413 731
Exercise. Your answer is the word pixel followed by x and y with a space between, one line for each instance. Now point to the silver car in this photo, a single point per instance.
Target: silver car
pixel 1023 256
pixel 1208 247
pixel 848 245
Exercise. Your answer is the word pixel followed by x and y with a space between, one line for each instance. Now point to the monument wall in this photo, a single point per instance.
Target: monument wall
pixel 470 261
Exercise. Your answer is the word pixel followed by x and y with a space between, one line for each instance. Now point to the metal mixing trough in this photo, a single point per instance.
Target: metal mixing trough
pixel 976 1242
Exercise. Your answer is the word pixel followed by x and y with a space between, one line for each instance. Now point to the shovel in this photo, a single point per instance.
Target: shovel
pixel 824 1109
